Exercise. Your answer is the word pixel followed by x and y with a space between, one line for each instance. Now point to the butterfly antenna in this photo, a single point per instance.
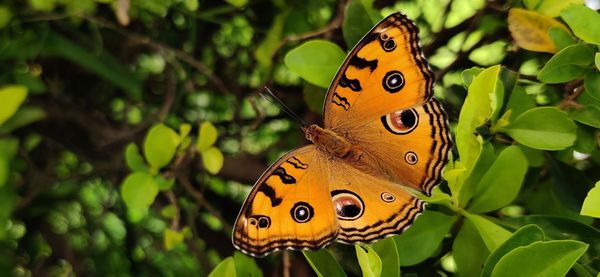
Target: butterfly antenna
pixel 276 101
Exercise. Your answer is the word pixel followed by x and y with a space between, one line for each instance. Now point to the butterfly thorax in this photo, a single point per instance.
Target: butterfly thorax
pixel 332 143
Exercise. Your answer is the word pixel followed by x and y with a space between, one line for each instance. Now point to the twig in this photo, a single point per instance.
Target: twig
pixel 202 201
pixel 176 218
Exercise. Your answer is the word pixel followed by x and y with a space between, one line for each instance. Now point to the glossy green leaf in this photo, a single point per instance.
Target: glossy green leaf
pixel 584 22
pixel 502 181
pixel 11 98
pixel 526 235
pixel 423 238
pixel 544 128
pixel 469 187
pixel 561 38
pixel 369 261
pixel 519 102
pixel 323 263
pixel 591 204
pixel 316 61
pixel 591 83
pixel 134 159
pixel 138 191
pixel 550 8
pixel 357 22
pixel 542 258
pixel 207 136
pixel 588 115
pixel 172 238
pixel 388 252
pixel 224 268
pixel 570 63
pixel 24 116
pixel 160 145
pixel 212 159
pixel 492 234
pixel 469 251
pixel 468 75
pixel 246 266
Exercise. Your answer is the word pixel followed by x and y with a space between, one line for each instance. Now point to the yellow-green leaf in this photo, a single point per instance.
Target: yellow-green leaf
pixel 212 159
pixel 207 136
pixel 172 238
pixel 138 190
pixel 11 98
pixel 551 8
pixel 530 30
pixel 591 204
pixel 160 145
pixel 369 261
pixel 584 22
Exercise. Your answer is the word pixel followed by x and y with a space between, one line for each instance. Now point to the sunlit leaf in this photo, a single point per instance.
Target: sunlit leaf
pixel 369 261
pixel 24 116
pixel 138 191
pixel 160 145
pixel 212 159
pixel 323 263
pixel 469 250
pixel 172 238
pixel 530 30
pixel 388 252
pixel 492 234
pixel 316 61
pixel 561 38
pixel 551 8
pixel 134 159
pixel 207 136
pixel 526 235
pixel 11 98
pixel 224 268
pixel 591 204
pixel 246 266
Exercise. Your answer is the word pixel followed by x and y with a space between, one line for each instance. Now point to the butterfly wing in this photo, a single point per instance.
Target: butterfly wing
pixel 386 71
pixel 289 207
pixel 369 208
pixel 409 146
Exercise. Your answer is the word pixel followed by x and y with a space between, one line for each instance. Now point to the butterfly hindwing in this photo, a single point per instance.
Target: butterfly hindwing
pixel 409 146
pixel 289 207
pixel 384 72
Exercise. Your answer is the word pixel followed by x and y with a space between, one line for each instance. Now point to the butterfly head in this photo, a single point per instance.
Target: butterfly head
pixel 312 132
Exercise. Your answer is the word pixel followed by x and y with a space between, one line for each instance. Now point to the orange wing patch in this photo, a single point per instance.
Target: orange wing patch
pixel 385 71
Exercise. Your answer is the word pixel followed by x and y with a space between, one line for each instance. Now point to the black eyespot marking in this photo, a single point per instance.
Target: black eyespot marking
pixel 353 84
pixel 401 122
pixel 387 197
pixel 393 81
pixel 285 178
pixel 411 158
pixel 387 43
pixel 302 212
pixel 260 221
pixel 347 205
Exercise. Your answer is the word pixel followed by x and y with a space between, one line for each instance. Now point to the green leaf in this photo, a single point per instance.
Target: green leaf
pixel 207 136
pixel 489 54
pixel 468 75
pixel 584 22
pixel 212 159
pixel 597 60
pixel 266 49
pixel 423 238
pixel 469 250
pixel 591 83
pixel 570 63
pixel 542 258
pixel 246 266
pixel 526 235
pixel 224 268
pixel 561 38
pixel 545 128
pixel 163 183
pixel 134 159
pixel 550 8
pixel 24 116
pixel 519 102
pixel 369 261
pixel 160 145
pixel 11 98
pixel 586 141
pixel 172 238
pixel 588 115
pixel 138 191
pixel 323 263
pixel 184 130
pixel 237 3
pixel 357 22
pixel 313 97
pixel 502 181
pixel 492 234
pixel 316 61
pixel 591 204
pixel 535 157
pixel 388 252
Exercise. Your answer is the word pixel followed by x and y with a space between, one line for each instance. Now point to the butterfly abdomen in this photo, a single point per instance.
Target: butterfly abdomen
pixel 333 144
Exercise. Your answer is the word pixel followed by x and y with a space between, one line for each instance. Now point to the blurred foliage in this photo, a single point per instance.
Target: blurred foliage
pixel 131 130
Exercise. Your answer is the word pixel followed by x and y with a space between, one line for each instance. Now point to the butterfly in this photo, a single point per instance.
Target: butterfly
pixel 385 140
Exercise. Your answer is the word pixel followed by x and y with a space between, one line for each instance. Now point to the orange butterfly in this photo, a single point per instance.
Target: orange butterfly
pixel 385 137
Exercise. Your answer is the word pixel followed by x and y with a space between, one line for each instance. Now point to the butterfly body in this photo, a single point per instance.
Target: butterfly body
pixel 384 140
